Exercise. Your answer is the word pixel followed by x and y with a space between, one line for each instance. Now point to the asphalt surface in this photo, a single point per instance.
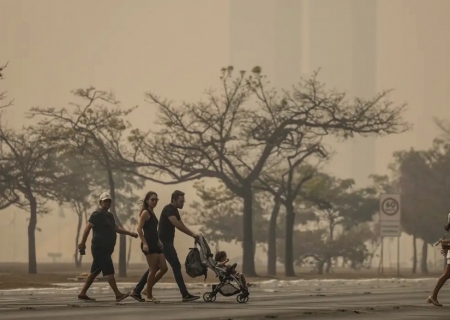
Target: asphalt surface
pixel 316 300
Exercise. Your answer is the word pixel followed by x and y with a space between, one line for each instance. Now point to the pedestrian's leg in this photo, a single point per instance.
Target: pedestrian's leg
pixel 162 265
pixel 95 271
pixel 113 284
pixel 87 284
pixel 244 282
pixel 441 281
pixel 152 260
pixel 108 272
pixel 140 286
pixel 171 256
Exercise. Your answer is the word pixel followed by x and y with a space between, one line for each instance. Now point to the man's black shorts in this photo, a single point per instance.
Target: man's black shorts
pixel 102 262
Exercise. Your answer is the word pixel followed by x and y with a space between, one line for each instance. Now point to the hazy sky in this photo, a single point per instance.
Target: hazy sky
pixel 177 48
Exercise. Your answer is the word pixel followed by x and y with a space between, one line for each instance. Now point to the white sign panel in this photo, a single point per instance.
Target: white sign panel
pixel 390 215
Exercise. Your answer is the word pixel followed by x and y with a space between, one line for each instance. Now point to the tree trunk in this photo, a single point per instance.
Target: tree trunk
pixel 129 253
pixel 272 241
pixel 424 258
pixel 122 237
pixel 414 262
pixel 32 263
pixel 329 263
pixel 320 265
pixel 248 258
pixel 330 241
pixel 289 241
pixel 77 255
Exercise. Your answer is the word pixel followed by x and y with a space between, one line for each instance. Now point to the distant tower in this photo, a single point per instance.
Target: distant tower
pixel 364 81
pixel 251 35
pixel 267 33
pixel 287 44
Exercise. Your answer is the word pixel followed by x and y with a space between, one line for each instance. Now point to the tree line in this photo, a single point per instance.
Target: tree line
pixel 265 149
pixel 422 178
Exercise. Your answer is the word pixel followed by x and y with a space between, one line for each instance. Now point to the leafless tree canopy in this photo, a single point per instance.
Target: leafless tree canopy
pixel 95 127
pixel 29 166
pixel 232 134
pixel 4 103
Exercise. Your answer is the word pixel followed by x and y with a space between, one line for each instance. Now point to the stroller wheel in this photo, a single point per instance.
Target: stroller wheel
pixel 242 298
pixel 209 297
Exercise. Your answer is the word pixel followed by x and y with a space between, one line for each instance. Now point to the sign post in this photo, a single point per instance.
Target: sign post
pixel 390 221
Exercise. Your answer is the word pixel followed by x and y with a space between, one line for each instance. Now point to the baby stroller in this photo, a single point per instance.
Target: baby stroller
pixel 229 284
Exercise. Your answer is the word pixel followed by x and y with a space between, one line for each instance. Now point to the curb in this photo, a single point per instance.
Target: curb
pixel 269 284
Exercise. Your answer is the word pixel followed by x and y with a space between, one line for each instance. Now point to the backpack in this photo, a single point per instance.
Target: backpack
pixel 194 265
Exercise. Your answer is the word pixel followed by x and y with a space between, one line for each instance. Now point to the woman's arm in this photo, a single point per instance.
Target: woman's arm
pixel 144 216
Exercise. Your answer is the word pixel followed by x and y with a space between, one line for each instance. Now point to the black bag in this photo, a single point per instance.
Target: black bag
pixel 194 265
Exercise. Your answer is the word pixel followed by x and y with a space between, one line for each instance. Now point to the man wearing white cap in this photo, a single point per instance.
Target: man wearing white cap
pixel 104 238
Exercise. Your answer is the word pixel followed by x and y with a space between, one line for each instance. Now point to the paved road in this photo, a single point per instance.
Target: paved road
pixel 314 301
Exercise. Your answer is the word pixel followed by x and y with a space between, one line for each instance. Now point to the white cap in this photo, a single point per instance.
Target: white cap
pixel 105 196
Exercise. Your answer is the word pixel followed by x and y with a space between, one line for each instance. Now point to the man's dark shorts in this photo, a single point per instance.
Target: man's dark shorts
pixel 102 262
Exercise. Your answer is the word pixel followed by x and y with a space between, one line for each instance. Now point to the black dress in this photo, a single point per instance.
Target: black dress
pixel 150 229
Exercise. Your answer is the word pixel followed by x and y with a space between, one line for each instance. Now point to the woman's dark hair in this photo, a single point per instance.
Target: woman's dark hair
pixel 145 202
pixel 220 255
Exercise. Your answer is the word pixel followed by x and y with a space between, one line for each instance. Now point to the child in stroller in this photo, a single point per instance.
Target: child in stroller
pixel 231 282
pixel 222 260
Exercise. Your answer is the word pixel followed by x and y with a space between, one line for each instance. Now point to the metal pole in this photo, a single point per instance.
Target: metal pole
pixel 382 255
pixel 398 256
pixel 14 237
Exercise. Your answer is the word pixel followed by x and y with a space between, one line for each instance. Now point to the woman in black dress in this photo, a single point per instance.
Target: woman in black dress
pixel 150 245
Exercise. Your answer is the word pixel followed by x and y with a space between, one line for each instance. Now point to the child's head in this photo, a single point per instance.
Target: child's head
pixel 220 256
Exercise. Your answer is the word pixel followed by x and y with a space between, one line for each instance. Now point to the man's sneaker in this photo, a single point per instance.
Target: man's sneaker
pixel 190 297
pixel 136 296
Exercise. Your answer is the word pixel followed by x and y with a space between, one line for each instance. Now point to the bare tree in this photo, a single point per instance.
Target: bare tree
pixel 29 163
pixel 96 129
pixel 232 135
pixel 80 207
pixel 285 182
pixel 79 198
pixel 3 94
pixel 8 195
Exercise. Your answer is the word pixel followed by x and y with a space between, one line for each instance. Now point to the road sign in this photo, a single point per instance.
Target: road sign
pixel 390 215
pixel 390 230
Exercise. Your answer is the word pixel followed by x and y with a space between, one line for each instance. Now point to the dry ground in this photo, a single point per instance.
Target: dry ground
pixel 14 275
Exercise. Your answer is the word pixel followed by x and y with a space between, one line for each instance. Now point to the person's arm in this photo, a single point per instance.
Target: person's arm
pixel 86 232
pixel 93 220
pixel 223 263
pixel 447 227
pixel 140 226
pixel 180 226
pixel 121 230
